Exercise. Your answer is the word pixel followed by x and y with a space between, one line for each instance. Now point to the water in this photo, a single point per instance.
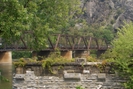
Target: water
pixel 6 71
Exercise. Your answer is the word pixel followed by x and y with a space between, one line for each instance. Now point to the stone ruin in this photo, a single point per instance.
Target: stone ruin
pixel 69 76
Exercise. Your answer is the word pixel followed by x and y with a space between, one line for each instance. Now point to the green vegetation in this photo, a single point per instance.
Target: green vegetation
pixel 95 30
pixel 2 78
pixel 41 17
pixel 102 32
pixel 122 54
pixel 91 59
pixel 21 54
pixel 20 63
pixel 55 59
pixel 44 17
pixel 23 61
pixel 79 87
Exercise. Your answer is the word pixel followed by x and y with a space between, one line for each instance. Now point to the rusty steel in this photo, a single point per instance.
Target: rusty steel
pixel 58 41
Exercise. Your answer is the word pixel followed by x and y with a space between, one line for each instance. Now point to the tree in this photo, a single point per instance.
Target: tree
pixel 102 32
pixel 21 54
pixel 122 53
pixel 38 16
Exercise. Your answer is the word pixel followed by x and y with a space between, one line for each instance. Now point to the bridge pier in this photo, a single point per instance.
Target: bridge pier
pixel 81 53
pixel 66 54
pixel 6 57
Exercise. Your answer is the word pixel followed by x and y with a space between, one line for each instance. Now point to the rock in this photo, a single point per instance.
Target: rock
pixel 30 76
pixel 86 71
pixel 80 60
pixel 19 76
pixel 106 11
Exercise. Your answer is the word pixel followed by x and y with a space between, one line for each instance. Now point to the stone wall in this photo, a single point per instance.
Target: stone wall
pixel 67 76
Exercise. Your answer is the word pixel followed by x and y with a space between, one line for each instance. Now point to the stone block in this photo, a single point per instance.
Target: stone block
pixel 92 63
pixel 101 77
pixel 86 80
pixel 86 71
pixel 72 75
pixel 92 77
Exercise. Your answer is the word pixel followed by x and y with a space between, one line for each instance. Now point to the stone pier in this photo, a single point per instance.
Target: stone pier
pixel 6 57
pixel 66 54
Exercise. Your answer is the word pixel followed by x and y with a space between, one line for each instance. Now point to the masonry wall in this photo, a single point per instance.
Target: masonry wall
pixel 67 76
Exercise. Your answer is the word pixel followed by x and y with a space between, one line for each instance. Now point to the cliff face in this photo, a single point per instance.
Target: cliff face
pixel 106 12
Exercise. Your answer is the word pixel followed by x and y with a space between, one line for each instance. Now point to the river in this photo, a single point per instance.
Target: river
pixel 6 71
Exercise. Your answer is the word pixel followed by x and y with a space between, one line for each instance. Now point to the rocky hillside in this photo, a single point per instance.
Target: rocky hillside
pixel 106 12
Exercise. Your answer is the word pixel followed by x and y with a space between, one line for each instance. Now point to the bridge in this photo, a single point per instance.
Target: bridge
pixel 56 41
pixel 67 44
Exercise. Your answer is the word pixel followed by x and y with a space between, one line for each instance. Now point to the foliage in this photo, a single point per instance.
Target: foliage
pixel 2 78
pixel 40 17
pixel 54 58
pixel 20 63
pixel 77 27
pixel 122 54
pixel 91 59
pixel 98 31
pixel 79 87
pixel 103 32
pixel 102 66
pixel 23 61
pixel 20 54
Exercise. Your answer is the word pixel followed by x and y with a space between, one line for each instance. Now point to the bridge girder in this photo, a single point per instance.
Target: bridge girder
pixel 58 41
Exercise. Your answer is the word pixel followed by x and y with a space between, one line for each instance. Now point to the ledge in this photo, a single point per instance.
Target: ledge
pixel 66 64
pixel 91 63
pixel 76 76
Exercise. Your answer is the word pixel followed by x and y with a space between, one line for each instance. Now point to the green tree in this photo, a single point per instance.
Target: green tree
pixel 21 54
pixel 40 17
pixel 122 53
pixel 103 32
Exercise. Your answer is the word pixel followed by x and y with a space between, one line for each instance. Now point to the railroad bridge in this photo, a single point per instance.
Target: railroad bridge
pixel 69 45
